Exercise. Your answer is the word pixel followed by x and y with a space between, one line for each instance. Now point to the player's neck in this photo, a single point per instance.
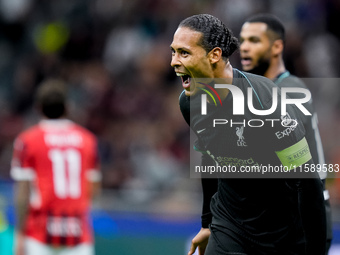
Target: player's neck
pixel 225 75
pixel 276 67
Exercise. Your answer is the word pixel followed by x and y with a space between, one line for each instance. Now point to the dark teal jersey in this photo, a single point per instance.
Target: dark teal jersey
pixel 265 211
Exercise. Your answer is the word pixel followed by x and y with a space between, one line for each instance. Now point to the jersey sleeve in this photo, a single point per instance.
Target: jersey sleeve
pixel 22 168
pixel 287 135
pixel 292 148
pixel 310 122
pixel 184 104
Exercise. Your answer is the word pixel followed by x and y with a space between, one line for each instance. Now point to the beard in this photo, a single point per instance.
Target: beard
pixel 261 67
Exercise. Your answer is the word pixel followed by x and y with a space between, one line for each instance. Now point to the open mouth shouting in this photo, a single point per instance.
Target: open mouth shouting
pixel 186 80
pixel 246 62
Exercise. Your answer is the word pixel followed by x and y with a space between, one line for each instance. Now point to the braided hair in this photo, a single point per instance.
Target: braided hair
pixel 215 33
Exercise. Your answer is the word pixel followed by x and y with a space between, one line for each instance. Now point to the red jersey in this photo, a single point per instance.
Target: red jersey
pixel 59 158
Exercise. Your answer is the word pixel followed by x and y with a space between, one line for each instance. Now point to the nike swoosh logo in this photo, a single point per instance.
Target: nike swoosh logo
pixel 200 131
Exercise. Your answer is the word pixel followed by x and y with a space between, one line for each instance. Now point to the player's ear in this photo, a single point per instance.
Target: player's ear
pixel 277 47
pixel 215 55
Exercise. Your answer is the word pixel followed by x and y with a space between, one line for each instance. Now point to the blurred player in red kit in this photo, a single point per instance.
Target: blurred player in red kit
pixel 56 169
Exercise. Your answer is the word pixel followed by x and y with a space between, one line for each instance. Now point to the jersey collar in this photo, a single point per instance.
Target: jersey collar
pixel 55 123
pixel 281 76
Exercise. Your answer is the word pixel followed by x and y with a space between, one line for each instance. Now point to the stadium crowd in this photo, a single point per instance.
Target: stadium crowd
pixel 115 58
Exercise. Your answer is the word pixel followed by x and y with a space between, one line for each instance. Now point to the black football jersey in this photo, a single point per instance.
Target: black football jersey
pixel 264 210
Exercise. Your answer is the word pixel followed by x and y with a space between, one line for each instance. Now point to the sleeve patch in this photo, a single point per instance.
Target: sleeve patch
pixel 94 175
pixel 22 174
pixel 295 155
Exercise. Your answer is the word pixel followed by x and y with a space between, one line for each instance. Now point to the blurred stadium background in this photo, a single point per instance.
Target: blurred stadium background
pixel 115 58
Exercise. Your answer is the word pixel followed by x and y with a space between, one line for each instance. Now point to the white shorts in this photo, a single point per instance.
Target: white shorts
pixel 34 247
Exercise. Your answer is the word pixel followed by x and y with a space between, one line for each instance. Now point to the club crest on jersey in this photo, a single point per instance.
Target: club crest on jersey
pixel 239 133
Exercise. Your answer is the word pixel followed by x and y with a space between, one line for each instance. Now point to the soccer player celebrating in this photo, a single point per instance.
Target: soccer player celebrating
pixel 56 169
pixel 262 40
pixel 245 215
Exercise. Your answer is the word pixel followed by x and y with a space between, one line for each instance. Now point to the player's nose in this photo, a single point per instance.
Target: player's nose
pixel 175 60
pixel 244 46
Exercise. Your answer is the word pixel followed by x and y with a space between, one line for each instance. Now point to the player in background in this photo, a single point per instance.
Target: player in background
pixel 262 40
pixel 56 168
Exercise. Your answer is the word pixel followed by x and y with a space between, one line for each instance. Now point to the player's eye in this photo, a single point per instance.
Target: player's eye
pixel 254 40
pixel 184 53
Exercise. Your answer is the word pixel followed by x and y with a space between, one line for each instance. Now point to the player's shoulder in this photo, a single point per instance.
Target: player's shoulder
pixel 65 126
pixel 30 133
pixel 83 131
pixel 261 86
pixel 251 76
pixel 291 81
pixel 255 81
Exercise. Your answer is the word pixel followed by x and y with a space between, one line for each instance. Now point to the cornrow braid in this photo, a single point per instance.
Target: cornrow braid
pixel 215 33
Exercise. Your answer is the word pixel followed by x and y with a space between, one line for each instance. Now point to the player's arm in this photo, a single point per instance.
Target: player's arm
pixel 94 175
pixel 23 174
pixel 94 178
pixel 295 154
pixel 200 241
pixel 21 203
pixel 310 195
pixel 22 191
pixel 94 186
pixel 209 188
pixel 313 214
